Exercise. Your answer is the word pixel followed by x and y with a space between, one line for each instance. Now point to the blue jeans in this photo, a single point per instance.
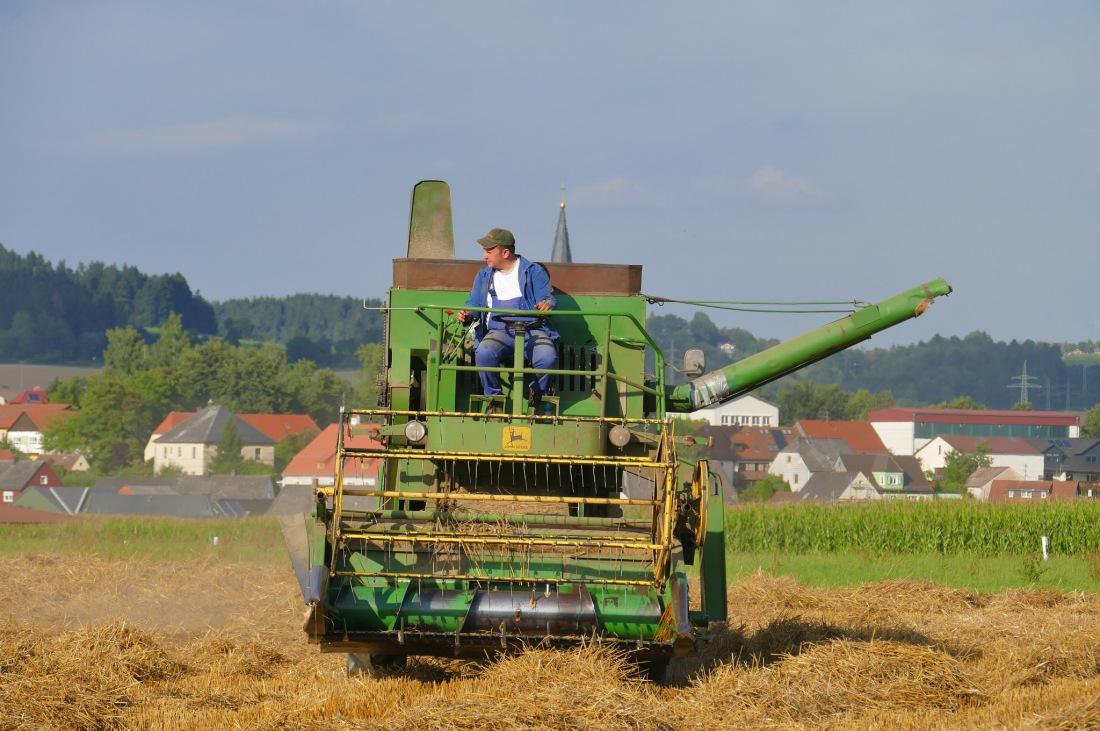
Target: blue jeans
pixel 499 346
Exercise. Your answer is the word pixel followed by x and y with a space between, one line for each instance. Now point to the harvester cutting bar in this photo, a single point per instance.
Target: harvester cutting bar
pixel 532 579
pixel 493 518
pixel 492 497
pixel 640 462
pixel 480 539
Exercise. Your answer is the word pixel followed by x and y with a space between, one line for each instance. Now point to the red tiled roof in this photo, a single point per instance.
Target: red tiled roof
pixel 6 455
pixel 997 445
pixel 318 458
pixel 998 489
pixel 859 435
pixel 973 416
pixel 40 414
pixel 281 426
pixel 174 419
pixel 32 396
pixel 274 426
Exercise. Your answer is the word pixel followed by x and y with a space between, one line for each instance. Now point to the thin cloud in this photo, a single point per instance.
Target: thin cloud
pixel 617 191
pixel 771 182
pixel 199 136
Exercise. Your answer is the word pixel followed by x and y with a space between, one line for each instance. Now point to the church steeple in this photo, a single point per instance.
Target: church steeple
pixel 561 238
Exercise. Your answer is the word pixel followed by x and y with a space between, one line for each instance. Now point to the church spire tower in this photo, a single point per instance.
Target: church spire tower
pixel 561 238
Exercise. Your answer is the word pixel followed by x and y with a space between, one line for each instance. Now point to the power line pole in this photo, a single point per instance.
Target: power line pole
pixel 1024 385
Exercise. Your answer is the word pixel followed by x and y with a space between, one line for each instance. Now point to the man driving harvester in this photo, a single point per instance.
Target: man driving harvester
pixel 510 282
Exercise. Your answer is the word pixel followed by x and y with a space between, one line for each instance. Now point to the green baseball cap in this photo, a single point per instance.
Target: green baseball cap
pixel 498 237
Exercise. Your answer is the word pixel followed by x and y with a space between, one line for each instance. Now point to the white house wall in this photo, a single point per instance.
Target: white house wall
pixel 747 410
pixel 791 468
pixel 898 436
pixel 933 456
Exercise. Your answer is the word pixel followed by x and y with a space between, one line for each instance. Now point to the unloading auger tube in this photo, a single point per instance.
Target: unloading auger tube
pixel 764 367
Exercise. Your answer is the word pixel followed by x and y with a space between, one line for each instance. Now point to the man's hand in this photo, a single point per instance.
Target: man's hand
pixel 463 316
pixel 543 306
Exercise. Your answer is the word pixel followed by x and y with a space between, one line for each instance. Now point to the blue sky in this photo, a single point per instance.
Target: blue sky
pixel 747 151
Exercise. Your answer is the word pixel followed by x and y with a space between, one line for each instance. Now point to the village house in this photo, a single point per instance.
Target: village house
pixel 796 462
pixel 315 467
pixel 1015 452
pixel 979 483
pixel 15 477
pixel 744 454
pixel 276 426
pixel 1070 459
pixel 24 426
pixel 859 435
pixel 1032 491
pixel 747 410
pixel 191 446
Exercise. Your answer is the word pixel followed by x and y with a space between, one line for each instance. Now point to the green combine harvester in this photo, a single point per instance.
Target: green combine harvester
pixel 462 525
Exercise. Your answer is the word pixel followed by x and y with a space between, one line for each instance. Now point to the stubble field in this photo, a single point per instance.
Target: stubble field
pixel 201 644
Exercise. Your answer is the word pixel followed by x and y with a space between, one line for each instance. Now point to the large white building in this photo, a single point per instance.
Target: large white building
pixel 747 410
pixel 906 430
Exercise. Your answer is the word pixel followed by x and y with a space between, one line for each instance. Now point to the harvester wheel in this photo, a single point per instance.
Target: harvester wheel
pixel 374 665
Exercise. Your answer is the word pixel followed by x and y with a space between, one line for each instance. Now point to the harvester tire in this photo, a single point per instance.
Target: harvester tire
pixel 373 666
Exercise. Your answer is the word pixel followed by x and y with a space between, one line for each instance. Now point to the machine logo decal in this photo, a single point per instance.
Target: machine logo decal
pixel 517 438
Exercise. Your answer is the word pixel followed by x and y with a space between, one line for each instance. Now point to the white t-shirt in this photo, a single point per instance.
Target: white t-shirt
pixel 506 285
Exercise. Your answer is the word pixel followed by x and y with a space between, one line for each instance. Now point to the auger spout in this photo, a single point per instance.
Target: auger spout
pixel 756 370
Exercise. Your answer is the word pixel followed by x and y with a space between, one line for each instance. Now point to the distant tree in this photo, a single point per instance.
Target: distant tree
pixel 1090 425
pixel 1022 406
pixel 70 391
pixel 126 353
pixel 171 344
pixel 960 402
pixel 807 400
pixel 228 458
pixel 959 466
pixel 110 429
pixel 372 356
pixel 762 491
pixel 864 402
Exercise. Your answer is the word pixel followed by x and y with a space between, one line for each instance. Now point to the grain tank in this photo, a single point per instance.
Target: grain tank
pixel 463 525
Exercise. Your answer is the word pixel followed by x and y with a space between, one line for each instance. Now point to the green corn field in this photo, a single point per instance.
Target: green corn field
pixel 948 527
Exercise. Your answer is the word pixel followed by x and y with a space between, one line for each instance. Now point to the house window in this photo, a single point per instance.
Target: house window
pixel 1012 493
pixel 796 479
pixel 166 452
pixel 179 451
pixel 43 480
pixel 9 497
pixel 257 454
pixel 766 420
pixel 1026 494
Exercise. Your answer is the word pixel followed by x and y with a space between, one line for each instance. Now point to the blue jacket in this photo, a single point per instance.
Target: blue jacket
pixel 534 285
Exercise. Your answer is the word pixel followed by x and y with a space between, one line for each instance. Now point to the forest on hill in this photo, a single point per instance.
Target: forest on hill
pixel 54 314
